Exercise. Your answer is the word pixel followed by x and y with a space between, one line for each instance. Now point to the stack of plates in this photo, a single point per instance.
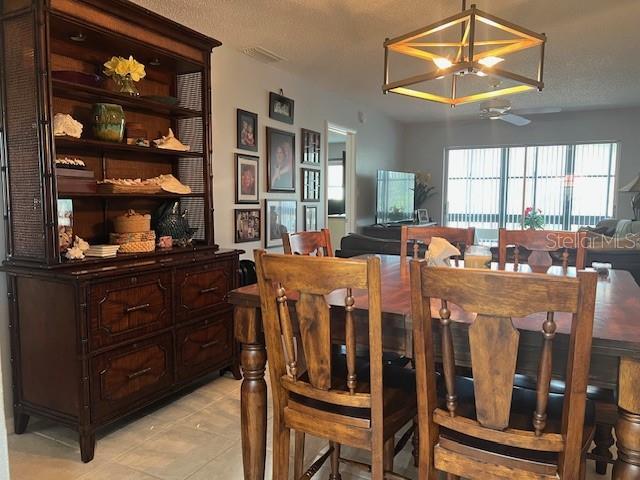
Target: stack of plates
pixel 102 250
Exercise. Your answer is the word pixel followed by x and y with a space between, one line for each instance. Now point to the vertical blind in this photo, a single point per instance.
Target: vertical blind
pixel 489 188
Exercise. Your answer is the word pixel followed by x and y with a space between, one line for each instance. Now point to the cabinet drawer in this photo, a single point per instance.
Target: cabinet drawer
pixel 205 345
pixel 202 289
pixel 126 375
pixel 127 308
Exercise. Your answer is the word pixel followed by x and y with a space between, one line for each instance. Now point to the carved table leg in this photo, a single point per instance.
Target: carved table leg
pixel 603 440
pixel 627 466
pixel 253 393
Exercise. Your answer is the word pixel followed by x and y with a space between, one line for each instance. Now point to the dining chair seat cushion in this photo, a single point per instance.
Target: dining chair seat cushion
pixel 399 397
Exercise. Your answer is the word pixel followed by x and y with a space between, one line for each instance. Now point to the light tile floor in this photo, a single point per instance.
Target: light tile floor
pixel 194 436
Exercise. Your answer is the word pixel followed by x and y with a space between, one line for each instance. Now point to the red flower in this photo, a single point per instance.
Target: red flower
pixel 527 211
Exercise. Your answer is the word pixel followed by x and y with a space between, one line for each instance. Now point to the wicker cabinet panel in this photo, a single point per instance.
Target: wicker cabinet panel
pixel 202 289
pixel 124 376
pixel 124 309
pixel 204 345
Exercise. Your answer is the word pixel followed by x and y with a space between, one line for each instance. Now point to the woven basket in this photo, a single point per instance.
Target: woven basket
pixel 122 238
pixel 132 222
pixel 138 247
pixel 145 189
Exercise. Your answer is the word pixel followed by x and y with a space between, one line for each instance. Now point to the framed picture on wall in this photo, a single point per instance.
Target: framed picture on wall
pixel 247 225
pixel 280 217
pixel 247 130
pixel 281 164
pixel 310 219
pixel 310 184
pixel 247 178
pixel 281 108
pixel 310 146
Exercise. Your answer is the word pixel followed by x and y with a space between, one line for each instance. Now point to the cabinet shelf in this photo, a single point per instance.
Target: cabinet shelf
pixel 88 145
pixel 89 94
pixel 127 195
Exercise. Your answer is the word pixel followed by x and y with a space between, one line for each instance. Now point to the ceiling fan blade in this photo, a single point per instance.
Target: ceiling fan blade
pixel 515 119
pixel 537 110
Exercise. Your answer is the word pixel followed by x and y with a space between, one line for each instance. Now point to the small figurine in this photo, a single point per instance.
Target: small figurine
pixel 168 221
pixel 77 251
pixel 170 142
pixel 64 124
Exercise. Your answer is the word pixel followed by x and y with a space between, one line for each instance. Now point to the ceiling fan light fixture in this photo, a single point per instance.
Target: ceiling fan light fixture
pixel 472 56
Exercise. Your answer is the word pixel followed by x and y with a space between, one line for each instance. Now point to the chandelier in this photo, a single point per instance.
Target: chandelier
pixel 456 66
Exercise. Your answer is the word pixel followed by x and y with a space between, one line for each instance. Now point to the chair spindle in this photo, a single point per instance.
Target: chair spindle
pixel 350 342
pixel 448 359
pixel 287 332
pixel 544 375
pixel 565 260
pixel 416 249
pixel 516 258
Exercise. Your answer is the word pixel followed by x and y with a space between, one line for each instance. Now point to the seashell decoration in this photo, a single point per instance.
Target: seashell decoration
pixel 77 251
pixel 170 142
pixel 64 124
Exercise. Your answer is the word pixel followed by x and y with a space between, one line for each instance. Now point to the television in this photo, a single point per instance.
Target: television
pixel 395 196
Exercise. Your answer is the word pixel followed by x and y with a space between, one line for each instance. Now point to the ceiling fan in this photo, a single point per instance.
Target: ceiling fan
pixel 500 109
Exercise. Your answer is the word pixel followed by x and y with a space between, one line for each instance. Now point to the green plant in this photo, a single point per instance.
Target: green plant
pixel 423 190
pixel 533 218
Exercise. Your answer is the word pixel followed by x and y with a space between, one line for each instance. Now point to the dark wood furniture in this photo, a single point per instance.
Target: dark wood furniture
pixel 485 423
pixel 459 237
pixel 308 243
pixel 540 243
pixel 93 340
pixel 615 353
pixel 325 396
pixel 389 231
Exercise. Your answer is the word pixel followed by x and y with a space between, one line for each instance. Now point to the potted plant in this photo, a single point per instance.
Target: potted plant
pixel 533 218
pixel 124 73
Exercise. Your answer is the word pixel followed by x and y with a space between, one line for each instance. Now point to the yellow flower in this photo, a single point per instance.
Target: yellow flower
pixel 136 69
pixel 111 65
pixel 122 68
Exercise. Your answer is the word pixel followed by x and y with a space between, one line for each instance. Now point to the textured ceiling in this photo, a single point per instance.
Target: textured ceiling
pixel 592 54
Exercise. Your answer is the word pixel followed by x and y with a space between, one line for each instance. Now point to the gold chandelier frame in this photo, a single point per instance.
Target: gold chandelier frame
pixel 413 44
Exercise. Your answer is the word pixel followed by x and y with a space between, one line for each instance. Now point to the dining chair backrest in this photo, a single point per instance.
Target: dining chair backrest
pixel 459 237
pixel 308 243
pixel 301 283
pixel 497 297
pixel 542 241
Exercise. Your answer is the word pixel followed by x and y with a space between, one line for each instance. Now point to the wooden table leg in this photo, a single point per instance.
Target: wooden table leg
pixel 253 393
pixel 627 466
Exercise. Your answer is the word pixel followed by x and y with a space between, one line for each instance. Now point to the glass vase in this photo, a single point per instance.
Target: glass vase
pixel 126 85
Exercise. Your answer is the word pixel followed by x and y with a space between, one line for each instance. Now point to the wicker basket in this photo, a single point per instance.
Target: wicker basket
pixel 132 222
pixel 138 247
pixel 143 189
pixel 122 238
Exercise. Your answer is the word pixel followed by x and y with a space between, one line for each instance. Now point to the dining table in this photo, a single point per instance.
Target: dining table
pixel 615 354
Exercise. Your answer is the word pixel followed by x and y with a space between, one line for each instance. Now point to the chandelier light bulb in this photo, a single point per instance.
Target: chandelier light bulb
pixel 442 62
pixel 490 61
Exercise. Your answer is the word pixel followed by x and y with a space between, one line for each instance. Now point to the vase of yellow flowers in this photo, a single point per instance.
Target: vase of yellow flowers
pixel 125 73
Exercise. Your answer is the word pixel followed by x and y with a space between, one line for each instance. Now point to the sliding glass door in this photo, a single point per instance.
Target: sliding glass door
pixel 489 188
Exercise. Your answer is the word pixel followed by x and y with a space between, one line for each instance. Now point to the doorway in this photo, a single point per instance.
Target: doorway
pixel 340 184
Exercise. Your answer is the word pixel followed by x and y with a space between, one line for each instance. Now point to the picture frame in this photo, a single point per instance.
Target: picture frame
pixel 247 178
pixel 310 218
pixel 422 215
pixel 281 161
pixel 247 225
pixel 65 224
pixel 310 181
pixel 281 108
pixel 280 216
pixel 246 130
pixel 310 146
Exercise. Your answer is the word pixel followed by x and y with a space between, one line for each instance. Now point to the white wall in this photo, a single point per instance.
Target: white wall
pixel 424 143
pixel 241 82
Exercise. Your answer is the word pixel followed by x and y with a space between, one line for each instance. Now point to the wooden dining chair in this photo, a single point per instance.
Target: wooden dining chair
pixel 484 427
pixel 540 243
pixel 459 237
pixel 362 406
pixel 308 243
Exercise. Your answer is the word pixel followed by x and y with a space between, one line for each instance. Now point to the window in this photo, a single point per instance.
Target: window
pixel 489 188
pixel 335 187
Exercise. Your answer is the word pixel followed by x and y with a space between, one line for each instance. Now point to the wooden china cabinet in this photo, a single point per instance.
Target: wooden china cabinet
pixel 95 339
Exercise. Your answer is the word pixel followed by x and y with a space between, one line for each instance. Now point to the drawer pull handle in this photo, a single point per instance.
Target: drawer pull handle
pixel 139 373
pixel 136 308
pixel 208 290
pixel 209 344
